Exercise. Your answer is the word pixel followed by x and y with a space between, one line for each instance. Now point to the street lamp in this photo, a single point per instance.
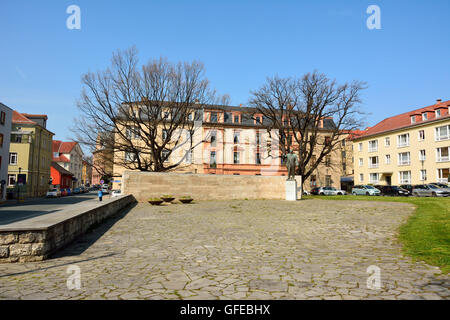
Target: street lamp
pixel 18 185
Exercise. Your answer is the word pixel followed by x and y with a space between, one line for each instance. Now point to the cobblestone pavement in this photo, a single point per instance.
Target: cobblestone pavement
pixel 312 249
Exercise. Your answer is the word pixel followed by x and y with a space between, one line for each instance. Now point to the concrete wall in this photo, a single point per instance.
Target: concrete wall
pixel 37 243
pixel 144 185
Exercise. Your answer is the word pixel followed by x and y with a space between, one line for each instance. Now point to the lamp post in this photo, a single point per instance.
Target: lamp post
pixel 18 185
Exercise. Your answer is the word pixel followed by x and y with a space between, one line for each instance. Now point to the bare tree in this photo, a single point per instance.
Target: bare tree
pixel 311 115
pixel 144 113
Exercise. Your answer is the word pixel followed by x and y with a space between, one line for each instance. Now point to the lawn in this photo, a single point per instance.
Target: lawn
pixel 426 235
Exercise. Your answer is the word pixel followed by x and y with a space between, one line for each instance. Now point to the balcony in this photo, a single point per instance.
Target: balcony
pixel 404 163
pixel 373 165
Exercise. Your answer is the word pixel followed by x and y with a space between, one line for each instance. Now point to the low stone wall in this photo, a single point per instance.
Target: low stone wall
pixel 22 244
pixel 144 185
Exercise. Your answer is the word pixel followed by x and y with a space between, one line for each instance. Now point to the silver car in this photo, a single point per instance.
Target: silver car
pixel 429 190
pixel 330 191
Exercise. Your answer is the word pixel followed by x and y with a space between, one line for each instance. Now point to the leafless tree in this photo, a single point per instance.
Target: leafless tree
pixel 146 112
pixel 310 115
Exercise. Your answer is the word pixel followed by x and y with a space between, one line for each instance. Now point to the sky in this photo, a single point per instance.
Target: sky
pixel 406 63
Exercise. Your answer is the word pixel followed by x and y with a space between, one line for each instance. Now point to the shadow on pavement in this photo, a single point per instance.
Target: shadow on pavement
pixel 7 217
pixel 81 244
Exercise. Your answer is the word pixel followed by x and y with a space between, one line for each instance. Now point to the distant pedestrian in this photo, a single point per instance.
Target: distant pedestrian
pixel 100 195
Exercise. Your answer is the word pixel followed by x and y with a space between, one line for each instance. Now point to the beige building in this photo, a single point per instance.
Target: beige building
pixel 229 141
pixel 69 156
pixel 410 148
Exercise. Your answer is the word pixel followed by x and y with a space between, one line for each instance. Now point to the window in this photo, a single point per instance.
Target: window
pixel 373 162
pixel 442 154
pixel 190 117
pixel 361 177
pixel 165 155
pixel 328 181
pixel 343 143
pixel 404 177
pixel 403 140
pixel 437 113
pixel 421 135
pixel 374 178
pixel 236 157
pixel 17 138
pixel 388 159
pixel 213 138
pixel 258 158
pixel 258 138
pixel 328 161
pixel 1 139
pixel 387 142
pixel 13 158
pixel 236 118
pixel 213 117
pixel 373 146
pixel 360 146
pixel 361 162
pixel 327 141
pixel 442 133
pixel 236 137
pixel 189 156
pixel 129 156
pixel 313 181
pixel 258 120
pixel 424 116
pixel 132 133
pixel 423 175
pixel 413 119
pixel 164 134
pixel 212 159
pixel 404 159
pixel 2 117
pixel 11 179
pixel 422 155
pixel 442 175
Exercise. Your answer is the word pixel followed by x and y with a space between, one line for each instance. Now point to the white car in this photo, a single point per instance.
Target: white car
pixel 105 190
pixel 331 191
pixel 116 193
pixel 53 193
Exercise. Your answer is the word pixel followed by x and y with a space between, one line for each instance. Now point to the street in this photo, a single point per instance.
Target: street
pixel 13 212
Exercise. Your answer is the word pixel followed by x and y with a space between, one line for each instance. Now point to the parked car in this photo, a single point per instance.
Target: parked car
pixel 393 191
pixel 82 189
pixel 53 193
pixel 76 190
pixel 105 190
pixel 429 190
pixel 407 187
pixel 306 193
pixel 365 190
pixel 330 191
pixel 63 192
pixel 69 191
pixel 315 191
pixel 442 186
pixel 116 193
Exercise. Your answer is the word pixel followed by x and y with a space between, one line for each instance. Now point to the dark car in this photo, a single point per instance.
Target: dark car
pixel 408 187
pixel 393 191
pixel 315 191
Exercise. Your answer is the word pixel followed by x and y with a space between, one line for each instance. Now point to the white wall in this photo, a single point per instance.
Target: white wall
pixel 5 129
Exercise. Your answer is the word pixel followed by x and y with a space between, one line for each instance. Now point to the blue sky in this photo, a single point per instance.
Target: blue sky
pixel 406 64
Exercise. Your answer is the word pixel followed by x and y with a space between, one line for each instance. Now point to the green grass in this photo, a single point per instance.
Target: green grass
pixel 426 234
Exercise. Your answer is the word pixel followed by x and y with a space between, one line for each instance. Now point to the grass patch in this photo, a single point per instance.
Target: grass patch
pixel 426 234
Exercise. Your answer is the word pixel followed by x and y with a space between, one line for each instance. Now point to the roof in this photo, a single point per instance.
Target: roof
pixel 404 120
pixel 60 169
pixel 44 116
pixel 62 146
pixel 21 118
pixel 61 158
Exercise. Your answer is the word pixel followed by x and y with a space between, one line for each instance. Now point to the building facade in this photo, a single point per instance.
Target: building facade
pixel 411 148
pixel 61 178
pixel 30 156
pixel 69 156
pixel 229 141
pixel 86 174
pixel 5 137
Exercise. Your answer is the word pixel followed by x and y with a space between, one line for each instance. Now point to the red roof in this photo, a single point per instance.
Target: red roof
pixel 20 118
pixel 63 147
pixel 35 115
pixel 404 120
pixel 61 158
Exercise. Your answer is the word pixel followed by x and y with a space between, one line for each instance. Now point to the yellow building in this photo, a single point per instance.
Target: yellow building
pixel 30 156
pixel 410 148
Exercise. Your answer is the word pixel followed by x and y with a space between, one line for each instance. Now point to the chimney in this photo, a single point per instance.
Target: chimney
pixel 438 101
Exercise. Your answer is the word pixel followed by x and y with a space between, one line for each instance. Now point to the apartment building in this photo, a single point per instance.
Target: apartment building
pixel 410 148
pixel 5 136
pixel 30 155
pixel 86 174
pixel 102 160
pixel 69 156
pixel 234 140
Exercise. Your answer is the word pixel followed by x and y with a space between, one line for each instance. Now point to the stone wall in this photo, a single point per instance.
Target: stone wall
pixel 35 244
pixel 144 185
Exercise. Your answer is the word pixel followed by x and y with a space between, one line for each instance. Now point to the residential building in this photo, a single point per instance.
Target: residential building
pixel 30 155
pixel 69 156
pixel 5 137
pixel 61 178
pixel 410 148
pixel 234 140
pixel 102 160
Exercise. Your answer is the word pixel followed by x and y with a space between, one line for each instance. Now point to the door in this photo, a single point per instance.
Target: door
pixel 389 180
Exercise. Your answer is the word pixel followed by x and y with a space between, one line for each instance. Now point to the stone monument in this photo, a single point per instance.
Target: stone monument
pixel 291 183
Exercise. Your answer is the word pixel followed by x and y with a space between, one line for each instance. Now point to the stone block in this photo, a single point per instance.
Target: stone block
pixel 17 250
pixel 31 237
pixel 4 251
pixel 8 238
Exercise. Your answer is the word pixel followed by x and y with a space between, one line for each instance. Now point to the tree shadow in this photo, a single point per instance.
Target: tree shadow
pixel 83 242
